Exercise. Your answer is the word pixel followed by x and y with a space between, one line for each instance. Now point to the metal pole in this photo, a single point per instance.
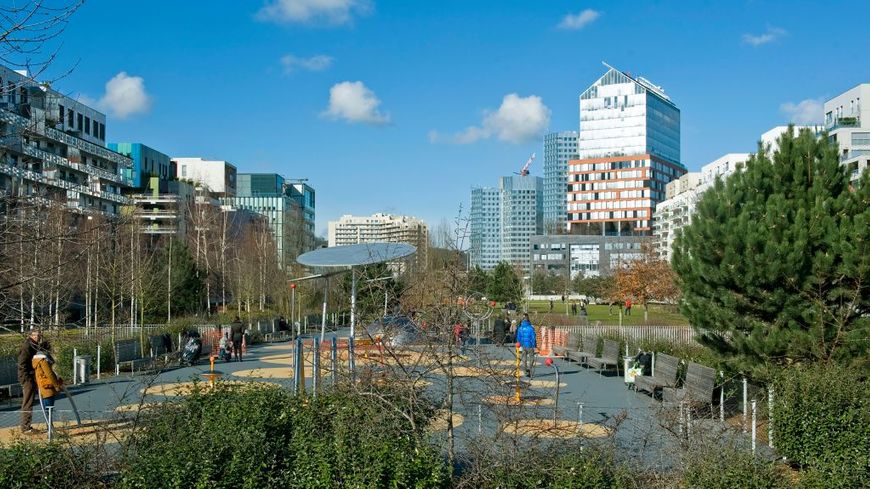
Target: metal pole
pixel 297 365
pixel 352 302
pixel 50 423
pixel 386 295
pixel 334 357
pixel 300 354
pixel 479 418
pixel 98 361
pixel 323 313
pixel 556 404
pixel 75 372
pixel 351 362
pixel 745 404
pixel 754 414
pixel 722 398
pixel 293 306
pixel 316 373
pixel 680 428
pixel 770 416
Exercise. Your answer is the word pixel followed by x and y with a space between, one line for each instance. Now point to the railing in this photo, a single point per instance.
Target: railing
pixel 682 334
pixel 88 146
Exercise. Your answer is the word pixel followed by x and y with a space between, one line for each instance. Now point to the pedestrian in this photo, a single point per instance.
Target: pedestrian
pixel 460 333
pixel 528 343
pixel 551 305
pixel 226 346
pixel 27 376
pixel 47 382
pixel 237 330
pixel 573 308
pixel 498 330
pixel 628 307
pixel 512 330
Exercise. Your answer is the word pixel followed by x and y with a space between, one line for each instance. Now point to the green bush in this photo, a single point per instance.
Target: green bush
pixel 262 436
pixel 822 423
pixel 727 467
pixel 35 464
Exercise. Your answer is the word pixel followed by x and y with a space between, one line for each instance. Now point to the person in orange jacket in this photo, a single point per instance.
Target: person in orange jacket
pixel 47 382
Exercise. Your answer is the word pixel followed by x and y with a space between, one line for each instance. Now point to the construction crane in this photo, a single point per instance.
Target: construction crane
pixel 525 171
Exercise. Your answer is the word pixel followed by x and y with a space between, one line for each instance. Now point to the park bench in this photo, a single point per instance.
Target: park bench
pixel 571 344
pixel 697 389
pixel 609 356
pixel 129 352
pixel 665 375
pixel 587 350
pixel 161 347
pixel 9 375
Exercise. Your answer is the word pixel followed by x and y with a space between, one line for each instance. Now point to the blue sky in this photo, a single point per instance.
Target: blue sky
pixel 372 101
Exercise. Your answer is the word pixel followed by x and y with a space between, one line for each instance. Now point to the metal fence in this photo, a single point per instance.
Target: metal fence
pixel 681 334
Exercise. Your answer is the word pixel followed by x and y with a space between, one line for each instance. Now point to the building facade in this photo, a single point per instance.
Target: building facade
pixel 847 121
pixel 53 147
pixel 147 163
pixel 588 256
pixel 629 149
pixel 381 228
pixel 218 176
pixel 559 148
pixel 503 221
pixel 164 207
pixel 269 195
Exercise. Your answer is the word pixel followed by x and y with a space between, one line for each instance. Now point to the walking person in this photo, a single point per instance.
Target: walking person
pixel 460 336
pixel 551 304
pixel 48 383
pixel 628 307
pixel 528 343
pixel 237 334
pixel 498 330
pixel 512 330
pixel 27 376
pixel 573 308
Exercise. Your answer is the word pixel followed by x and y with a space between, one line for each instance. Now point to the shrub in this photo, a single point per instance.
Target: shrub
pixel 822 423
pixel 262 436
pixel 727 467
pixel 35 464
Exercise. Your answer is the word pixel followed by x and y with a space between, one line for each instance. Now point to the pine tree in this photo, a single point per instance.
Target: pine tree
pixel 504 284
pixel 774 267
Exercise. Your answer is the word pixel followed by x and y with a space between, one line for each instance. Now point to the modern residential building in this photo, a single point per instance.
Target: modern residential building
pixel 147 163
pixel 271 196
pixel 589 256
pixel 559 148
pixel 164 207
pixel 304 195
pixel 847 121
pixel 53 147
pixel 218 176
pixel 503 221
pixel 683 194
pixel 381 228
pixel 770 139
pixel 629 150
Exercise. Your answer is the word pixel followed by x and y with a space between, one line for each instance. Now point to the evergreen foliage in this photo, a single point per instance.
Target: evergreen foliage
pixel 505 284
pixel 774 266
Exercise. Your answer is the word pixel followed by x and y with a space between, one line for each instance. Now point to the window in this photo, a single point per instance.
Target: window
pixel 61 111
pixel 87 125
pixel 70 118
pixel 860 138
pixel 102 132
pixel 81 121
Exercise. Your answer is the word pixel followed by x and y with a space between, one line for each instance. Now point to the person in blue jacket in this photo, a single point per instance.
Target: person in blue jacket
pixel 528 343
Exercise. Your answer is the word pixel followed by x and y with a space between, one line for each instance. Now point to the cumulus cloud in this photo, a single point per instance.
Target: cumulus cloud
pixel 579 21
pixel 772 34
pixel 292 63
pixel 517 120
pixel 335 12
pixel 353 102
pixel 809 111
pixel 125 96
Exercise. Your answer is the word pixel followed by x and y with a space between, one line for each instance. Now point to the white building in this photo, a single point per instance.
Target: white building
pixel 503 221
pixel 218 176
pixel 53 147
pixel 559 148
pixel 847 121
pixel 770 139
pixel 381 228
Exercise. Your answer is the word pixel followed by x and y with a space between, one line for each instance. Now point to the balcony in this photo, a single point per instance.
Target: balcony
pixel 87 146
pixel 843 122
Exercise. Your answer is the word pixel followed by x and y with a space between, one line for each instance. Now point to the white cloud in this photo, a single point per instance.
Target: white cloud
pixel 125 96
pixel 579 21
pixel 772 34
pixel 335 12
pixel 809 111
pixel 291 63
pixel 353 102
pixel 517 120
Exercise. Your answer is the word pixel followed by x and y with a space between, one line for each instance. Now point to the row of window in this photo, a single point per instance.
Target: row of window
pixel 82 123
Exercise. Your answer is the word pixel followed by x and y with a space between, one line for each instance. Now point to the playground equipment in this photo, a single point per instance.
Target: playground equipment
pixel 517 395
pixel 212 374
pixel 549 363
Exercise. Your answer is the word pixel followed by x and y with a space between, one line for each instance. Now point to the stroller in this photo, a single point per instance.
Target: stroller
pixel 192 349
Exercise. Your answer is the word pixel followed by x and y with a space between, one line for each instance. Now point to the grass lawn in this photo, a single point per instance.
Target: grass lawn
pixel 658 314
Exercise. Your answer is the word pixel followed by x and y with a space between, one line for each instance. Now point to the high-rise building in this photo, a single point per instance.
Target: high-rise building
pixel 164 207
pixel 503 220
pixel 53 147
pixel 304 195
pixel 847 121
pixel 147 163
pixel 559 148
pixel 217 176
pixel 271 196
pixel 629 150
pixel 381 228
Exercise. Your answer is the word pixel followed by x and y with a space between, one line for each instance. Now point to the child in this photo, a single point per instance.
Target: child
pixel 226 347
pixel 47 382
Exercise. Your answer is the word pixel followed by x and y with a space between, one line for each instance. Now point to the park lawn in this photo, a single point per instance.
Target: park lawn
pixel 658 314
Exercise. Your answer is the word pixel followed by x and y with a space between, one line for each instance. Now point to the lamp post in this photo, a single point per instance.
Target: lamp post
pixel 293 307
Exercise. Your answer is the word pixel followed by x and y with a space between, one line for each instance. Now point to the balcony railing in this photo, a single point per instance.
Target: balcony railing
pixel 88 146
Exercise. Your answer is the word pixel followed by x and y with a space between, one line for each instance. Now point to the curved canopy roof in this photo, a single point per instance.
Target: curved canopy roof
pixel 356 255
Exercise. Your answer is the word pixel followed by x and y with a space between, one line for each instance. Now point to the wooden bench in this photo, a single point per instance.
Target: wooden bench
pixel 9 375
pixel 571 344
pixel 587 350
pixel 697 389
pixel 609 356
pixel 129 352
pixel 665 375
